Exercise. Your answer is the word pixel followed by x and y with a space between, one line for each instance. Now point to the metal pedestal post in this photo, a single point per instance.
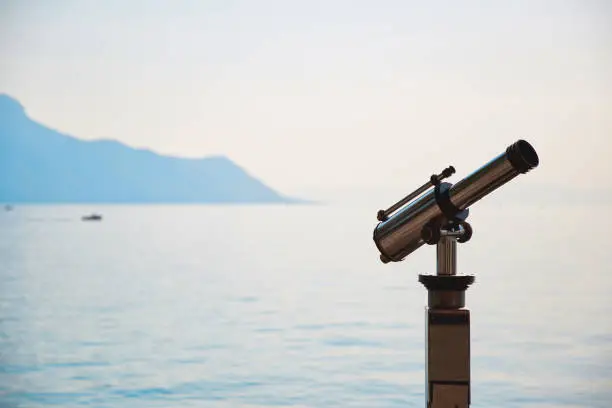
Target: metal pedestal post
pixel 448 331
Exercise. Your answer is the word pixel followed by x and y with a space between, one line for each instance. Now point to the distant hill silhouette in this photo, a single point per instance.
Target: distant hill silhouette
pixel 40 165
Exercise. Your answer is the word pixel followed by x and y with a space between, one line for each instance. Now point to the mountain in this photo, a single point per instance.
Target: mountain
pixel 41 165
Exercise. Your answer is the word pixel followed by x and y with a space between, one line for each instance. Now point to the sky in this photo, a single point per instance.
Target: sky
pixel 322 97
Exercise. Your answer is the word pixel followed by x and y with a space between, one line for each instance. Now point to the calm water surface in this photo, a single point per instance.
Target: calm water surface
pixel 274 306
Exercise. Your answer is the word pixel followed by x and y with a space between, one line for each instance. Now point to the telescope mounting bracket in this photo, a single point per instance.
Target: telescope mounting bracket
pixel 457 228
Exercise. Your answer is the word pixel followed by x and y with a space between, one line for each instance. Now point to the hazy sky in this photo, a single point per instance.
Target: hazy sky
pixel 322 95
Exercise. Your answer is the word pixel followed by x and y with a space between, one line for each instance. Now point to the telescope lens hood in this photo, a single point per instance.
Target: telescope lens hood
pixel 522 156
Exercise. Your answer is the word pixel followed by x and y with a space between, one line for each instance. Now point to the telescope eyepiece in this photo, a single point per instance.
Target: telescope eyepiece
pixel 522 156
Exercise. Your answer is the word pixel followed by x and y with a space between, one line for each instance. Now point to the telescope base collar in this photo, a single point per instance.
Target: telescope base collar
pixel 446 291
pixel 446 282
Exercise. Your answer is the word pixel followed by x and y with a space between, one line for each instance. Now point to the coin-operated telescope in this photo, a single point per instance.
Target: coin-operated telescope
pixel 436 214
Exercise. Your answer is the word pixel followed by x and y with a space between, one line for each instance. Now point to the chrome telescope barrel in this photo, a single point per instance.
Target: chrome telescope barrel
pixel 400 235
pixel 518 158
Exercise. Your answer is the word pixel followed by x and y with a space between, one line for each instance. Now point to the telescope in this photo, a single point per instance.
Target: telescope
pixel 436 214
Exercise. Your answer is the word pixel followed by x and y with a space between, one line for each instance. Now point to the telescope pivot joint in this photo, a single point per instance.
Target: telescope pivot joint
pixel 433 232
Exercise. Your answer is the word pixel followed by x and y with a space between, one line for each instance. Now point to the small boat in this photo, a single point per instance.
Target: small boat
pixel 8 207
pixel 92 217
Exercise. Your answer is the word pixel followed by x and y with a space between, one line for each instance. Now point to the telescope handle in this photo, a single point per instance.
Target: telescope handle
pixel 434 180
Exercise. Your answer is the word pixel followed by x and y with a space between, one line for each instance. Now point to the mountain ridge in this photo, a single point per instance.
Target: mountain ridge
pixel 39 164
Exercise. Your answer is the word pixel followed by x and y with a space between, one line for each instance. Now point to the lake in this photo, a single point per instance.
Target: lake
pixel 289 306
